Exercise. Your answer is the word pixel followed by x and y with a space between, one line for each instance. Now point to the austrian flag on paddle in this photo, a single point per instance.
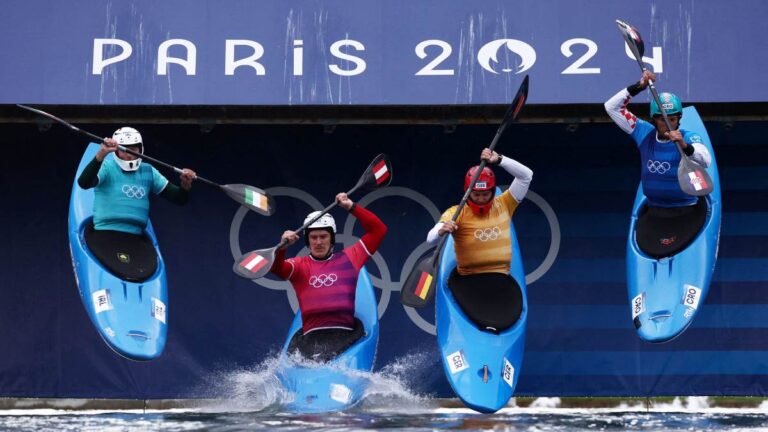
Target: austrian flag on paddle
pixel 256 199
pixel 697 180
pixel 253 262
pixel 380 172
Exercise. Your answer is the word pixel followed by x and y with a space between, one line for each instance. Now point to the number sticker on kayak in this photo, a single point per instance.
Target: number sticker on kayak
pixel 508 373
pixel 691 296
pixel 638 305
pixel 158 310
pixel 457 362
pixel 101 301
pixel 341 393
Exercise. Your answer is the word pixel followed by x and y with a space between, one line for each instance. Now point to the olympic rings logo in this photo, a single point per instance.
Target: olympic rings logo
pixel 323 280
pixel 488 234
pixel 133 191
pixel 387 282
pixel 657 167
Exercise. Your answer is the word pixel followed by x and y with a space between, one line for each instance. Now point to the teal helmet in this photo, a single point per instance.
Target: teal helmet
pixel 670 102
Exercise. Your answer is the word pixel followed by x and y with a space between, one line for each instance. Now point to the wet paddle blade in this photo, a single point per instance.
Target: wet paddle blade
pixel 255 264
pixel 693 178
pixel 419 288
pixel 633 39
pixel 378 174
pixel 251 197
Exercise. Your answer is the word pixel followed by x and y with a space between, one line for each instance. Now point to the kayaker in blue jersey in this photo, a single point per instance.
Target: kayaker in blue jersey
pixel 121 201
pixel 672 218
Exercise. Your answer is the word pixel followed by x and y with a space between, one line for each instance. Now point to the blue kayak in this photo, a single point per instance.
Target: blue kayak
pixel 340 383
pixel 665 294
pixel 482 367
pixel 131 317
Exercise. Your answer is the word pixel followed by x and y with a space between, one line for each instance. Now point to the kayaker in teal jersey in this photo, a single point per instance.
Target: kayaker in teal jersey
pixel 121 205
pixel 123 184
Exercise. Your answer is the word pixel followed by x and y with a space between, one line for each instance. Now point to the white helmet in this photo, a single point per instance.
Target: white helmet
pixel 128 136
pixel 325 222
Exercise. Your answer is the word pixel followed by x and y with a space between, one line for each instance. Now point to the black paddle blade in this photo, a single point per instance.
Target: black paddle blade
pixel 60 121
pixel 42 113
pixel 378 174
pixel 632 37
pixel 517 104
pixel 693 178
pixel 255 264
pixel 251 197
pixel 419 288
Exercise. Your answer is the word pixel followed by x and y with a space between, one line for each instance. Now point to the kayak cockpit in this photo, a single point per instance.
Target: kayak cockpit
pixel 664 232
pixel 128 256
pixel 325 345
pixel 492 301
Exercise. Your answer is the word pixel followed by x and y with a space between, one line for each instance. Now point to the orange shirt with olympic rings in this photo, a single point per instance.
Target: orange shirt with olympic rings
pixel 483 243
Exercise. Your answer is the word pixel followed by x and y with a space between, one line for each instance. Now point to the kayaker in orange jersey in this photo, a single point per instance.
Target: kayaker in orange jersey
pixel 481 282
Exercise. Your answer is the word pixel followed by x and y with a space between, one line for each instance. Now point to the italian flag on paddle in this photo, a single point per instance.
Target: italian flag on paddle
pixel 380 172
pixel 697 180
pixel 256 199
pixel 253 262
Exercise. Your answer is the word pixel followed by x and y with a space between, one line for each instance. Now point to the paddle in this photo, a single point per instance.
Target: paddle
pixel 256 264
pixel 418 289
pixel 251 197
pixel 693 178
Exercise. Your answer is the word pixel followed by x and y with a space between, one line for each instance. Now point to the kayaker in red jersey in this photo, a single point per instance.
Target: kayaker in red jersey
pixel 325 282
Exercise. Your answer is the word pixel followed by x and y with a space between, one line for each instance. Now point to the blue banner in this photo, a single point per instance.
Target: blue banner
pixel 368 52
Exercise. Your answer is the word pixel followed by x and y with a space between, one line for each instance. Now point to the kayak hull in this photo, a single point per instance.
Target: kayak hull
pixel 130 317
pixel 666 294
pixel 482 367
pixel 342 382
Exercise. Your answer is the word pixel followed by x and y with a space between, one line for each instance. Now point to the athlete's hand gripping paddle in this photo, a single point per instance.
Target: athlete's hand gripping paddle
pixel 256 264
pixel 418 289
pixel 251 197
pixel 693 178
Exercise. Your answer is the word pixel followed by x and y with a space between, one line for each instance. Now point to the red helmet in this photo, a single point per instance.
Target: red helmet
pixel 485 181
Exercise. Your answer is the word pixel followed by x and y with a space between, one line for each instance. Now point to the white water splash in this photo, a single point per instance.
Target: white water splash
pixel 253 389
pixel 697 402
pixel 390 387
pixel 258 388
pixel 546 402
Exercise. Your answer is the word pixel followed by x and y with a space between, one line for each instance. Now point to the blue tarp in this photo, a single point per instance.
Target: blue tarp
pixel 580 339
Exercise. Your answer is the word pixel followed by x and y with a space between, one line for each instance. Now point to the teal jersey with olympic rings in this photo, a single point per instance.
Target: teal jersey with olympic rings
pixel 121 201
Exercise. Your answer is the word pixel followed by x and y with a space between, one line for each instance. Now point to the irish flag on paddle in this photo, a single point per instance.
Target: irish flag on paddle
pixel 256 199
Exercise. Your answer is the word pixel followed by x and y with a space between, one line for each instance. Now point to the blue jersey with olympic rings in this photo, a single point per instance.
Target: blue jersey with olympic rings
pixel 659 161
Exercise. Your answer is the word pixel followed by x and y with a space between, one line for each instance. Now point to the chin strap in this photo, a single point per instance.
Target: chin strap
pixel 125 165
